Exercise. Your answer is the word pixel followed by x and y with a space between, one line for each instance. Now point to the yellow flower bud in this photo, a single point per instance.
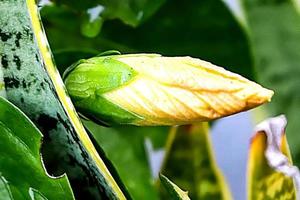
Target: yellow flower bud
pixel 177 90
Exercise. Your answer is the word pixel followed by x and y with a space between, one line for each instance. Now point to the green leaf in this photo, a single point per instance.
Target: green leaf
pixel 124 146
pixel 189 152
pixel 174 191
pixel 275 38
pixel 20 160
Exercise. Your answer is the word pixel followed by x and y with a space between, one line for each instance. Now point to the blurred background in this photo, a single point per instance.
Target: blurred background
pixel 259 39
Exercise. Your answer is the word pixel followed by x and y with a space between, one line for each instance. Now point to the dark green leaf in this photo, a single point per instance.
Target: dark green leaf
pixel 21 165
pixel 131 12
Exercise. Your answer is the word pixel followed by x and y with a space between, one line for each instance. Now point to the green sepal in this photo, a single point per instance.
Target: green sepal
pixel 87 81
pixel 103 112
pixel 109 53
pixel 73 66
pixel 96 76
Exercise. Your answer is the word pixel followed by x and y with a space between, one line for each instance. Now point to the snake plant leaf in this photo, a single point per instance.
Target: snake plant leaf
pixel 274 35
pixel 189 162
pixel 32 83
pixel 174 191
pixel 124 146
pixel 22 172
pixel 270 171
pixel 150 89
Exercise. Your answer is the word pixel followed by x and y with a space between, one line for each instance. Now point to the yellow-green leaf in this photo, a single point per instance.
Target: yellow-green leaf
pixel 174 191
pixel 269 163
pixel 190 163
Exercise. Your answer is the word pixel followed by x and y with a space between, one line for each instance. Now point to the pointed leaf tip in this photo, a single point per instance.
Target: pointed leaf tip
pixel 174 191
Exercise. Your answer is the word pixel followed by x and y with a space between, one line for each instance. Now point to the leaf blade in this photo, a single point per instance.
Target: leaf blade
pixel 20 140
pixel 189 151
pixel 174 191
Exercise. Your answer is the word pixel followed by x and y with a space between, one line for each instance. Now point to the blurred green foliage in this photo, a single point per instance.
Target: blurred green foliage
pixel 203 29
pixel 275 37
pixel 125 148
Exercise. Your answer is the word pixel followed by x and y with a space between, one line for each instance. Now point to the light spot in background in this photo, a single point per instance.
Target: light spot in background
pixel 43 3
pixel 297 4
pixel 140 15
pixel 155 158
pixel 237 9
pixel 94 12
pixel 231 139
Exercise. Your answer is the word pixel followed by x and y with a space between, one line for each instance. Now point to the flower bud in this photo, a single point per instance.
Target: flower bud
pixel 149 89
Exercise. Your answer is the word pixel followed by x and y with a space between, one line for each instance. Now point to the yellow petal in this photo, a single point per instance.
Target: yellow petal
pixel 180 90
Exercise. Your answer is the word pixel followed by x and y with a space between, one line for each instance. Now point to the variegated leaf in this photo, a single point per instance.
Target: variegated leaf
pixel 190 163
pixel 270 170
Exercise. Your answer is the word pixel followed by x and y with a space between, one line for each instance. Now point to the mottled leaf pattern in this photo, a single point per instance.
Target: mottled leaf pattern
pixel 190 164
pixel 263 181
